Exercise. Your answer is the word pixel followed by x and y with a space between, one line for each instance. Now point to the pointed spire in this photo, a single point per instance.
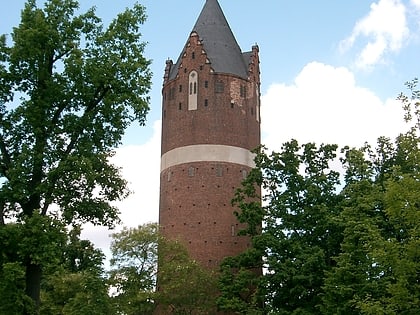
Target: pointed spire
pixel 218 41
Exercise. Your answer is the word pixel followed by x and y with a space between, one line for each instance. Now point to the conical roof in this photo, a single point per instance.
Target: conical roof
pixel 218 42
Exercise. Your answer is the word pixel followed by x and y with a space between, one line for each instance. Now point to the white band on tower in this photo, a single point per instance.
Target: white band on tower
pixel 207 153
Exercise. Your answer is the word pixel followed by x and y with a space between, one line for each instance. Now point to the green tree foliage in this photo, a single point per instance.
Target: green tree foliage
pixel 356 273
pixel 184 286
pixel 72 268
pixel 133 269
pixel 40 239
pixel 332 247
pixel 240 284
pixel 68 89
pixel 81 255
pixel 382 241
pixel 82 292
pixel 77 280
pixel 299 235
pixel 12 288
pixel 377 270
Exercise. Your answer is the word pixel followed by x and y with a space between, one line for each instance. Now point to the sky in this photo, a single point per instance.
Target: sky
pixel 331 71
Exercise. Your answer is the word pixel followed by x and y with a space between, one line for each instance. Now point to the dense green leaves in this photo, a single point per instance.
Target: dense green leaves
pixel 12 288
pixel 330 246
pixel 298 236
pixel 179 286
pixel 133 269
pixel 78 87
pixel 69 88
pixel 184 286
pixel 68 293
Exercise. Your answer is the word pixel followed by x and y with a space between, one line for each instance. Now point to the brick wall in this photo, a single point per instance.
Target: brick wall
pixel 195 198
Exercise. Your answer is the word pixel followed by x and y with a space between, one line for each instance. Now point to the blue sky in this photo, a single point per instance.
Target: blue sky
pixel 330 71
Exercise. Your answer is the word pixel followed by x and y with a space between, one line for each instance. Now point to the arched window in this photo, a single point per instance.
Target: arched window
pixel 192 98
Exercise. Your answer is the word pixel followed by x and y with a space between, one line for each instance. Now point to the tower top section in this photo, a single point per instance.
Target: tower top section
pixel 218 42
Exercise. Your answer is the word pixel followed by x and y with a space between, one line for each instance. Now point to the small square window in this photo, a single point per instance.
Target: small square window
pixel 219 87
pixel 206 84
pixel 206 102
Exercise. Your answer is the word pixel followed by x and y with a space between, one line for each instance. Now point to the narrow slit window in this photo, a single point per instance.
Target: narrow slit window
pixel 244 174
pixel 219 171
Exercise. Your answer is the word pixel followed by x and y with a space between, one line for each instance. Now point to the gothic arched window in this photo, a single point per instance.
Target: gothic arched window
pixel 192 98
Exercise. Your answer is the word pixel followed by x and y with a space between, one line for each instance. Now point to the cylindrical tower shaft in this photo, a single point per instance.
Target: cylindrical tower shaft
pixel 210 122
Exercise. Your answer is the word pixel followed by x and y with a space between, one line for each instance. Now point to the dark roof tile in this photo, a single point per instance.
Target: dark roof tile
pixel 218 41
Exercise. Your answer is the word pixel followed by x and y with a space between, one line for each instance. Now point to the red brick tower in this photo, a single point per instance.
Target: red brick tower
pixel 210 122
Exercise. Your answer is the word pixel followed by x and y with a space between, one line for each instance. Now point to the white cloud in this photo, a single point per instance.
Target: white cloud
pixel 416 3
pixel 141 168
pixel 385 29
pixel 325 105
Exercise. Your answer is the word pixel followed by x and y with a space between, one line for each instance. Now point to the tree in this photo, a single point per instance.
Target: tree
pixel 391 246
pixel 68 293
pixel 133 269
pixel 72 268
pixel 184 286
pixel 12 286
pixel 377 270
pixel 69 88
pixel 356 273
pixel 77 283
pixel 42 238
pixel 329 247
pixel 299 236
pixel 80 255
pixel 241 285
pixel 179 286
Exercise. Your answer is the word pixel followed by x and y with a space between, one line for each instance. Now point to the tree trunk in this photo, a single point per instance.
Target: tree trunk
pixel 33 284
